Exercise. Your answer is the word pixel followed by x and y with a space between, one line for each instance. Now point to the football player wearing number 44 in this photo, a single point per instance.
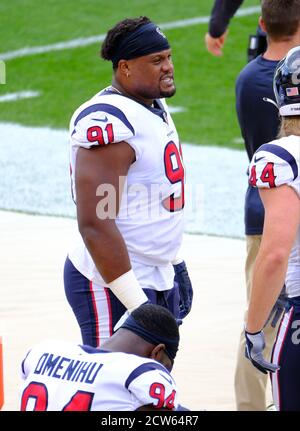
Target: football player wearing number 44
pixel 275 170
pixel 128 184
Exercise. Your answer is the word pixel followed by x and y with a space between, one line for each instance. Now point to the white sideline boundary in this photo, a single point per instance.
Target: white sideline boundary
pixel 12 97
pixel 76 43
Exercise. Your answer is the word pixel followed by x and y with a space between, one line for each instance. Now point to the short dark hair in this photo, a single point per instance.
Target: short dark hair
pixel 281 17
pixel 116 34
pixel 157 319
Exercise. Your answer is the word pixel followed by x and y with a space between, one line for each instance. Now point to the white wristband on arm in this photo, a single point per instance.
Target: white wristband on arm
pixel 128 290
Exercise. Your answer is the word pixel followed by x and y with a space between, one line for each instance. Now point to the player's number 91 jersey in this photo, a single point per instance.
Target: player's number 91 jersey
pixel 150 217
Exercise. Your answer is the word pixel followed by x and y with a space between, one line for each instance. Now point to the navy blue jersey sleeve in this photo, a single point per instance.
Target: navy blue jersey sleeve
pixel 222 12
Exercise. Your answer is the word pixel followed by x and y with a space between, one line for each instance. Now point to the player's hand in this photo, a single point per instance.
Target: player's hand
pixel 214 45
pixel 185 289
pixel 255 344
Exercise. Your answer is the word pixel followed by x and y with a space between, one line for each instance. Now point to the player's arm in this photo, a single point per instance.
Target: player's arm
pixel 101 166
pixel 222 12
pixel 282 215
pixel 104 166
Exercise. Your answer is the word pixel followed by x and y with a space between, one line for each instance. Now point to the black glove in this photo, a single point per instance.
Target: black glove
pixel 255 344
pixel 185 289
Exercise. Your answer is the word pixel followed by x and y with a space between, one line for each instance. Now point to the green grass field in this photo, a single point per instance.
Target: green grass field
pixel 205 84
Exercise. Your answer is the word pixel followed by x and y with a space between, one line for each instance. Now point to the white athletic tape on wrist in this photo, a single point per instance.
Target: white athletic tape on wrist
pixel 128 290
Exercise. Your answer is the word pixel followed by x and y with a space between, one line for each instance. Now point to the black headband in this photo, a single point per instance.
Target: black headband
pixel 146 39
pixel 171 344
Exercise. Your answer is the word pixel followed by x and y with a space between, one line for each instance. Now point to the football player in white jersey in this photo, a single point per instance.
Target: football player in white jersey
pixel 128 184
pixel 130 372
pixel 275 169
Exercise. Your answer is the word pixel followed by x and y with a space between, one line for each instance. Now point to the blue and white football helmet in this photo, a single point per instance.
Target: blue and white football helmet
pixel 286 83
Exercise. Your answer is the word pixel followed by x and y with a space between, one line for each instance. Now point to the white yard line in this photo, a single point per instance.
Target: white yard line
pixel 76 43
pixel 12 97
pixel 176 109
pixel 238 141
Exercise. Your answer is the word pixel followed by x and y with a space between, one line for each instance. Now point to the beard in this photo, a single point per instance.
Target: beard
pixel 151 93
pixel 169 93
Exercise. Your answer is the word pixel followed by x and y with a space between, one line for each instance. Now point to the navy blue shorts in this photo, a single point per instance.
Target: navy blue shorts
pixel 286 353
pixel 97 309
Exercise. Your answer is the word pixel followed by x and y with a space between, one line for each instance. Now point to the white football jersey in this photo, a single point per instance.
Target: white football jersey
pixel 273 165
pixel 150 218
pixel 61 375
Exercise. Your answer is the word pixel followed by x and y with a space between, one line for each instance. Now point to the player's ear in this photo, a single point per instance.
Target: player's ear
pixel 262 24
pixel 157 352
pixel 123 67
